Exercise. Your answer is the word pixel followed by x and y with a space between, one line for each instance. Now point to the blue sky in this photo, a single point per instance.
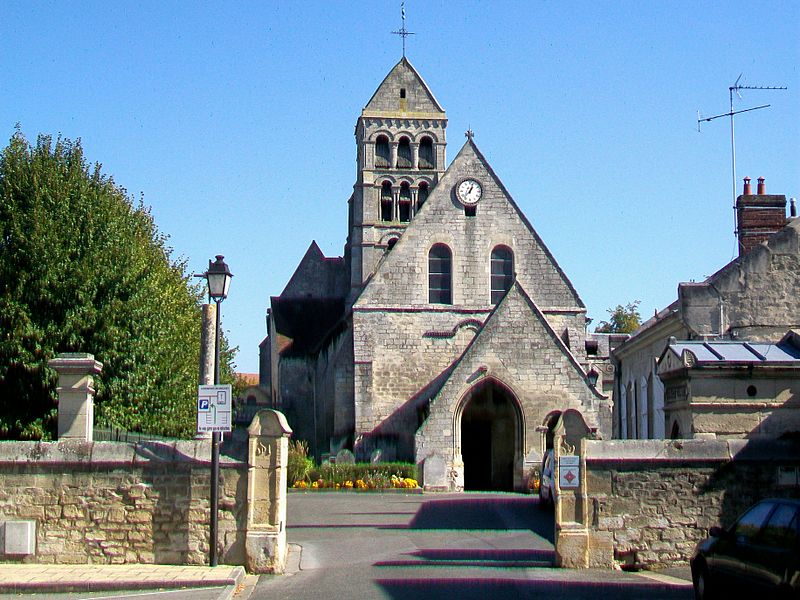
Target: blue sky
pixel 235 122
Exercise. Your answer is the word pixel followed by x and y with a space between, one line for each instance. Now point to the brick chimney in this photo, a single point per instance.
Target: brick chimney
pixel 758 215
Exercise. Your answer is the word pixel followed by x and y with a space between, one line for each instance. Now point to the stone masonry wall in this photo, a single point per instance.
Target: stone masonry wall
pixel 113 503
pixel 656 499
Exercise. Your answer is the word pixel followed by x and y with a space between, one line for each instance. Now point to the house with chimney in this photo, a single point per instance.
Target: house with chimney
pixel 722 359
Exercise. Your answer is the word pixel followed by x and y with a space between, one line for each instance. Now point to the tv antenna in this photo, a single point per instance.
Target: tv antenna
pixel 735 88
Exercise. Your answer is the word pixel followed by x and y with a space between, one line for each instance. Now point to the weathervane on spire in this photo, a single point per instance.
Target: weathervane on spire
pixel 403 32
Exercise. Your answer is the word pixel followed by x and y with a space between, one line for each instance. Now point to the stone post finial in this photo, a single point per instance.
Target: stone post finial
pixel 75 394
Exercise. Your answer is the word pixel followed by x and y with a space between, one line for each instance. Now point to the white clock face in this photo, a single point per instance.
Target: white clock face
pixel 469 191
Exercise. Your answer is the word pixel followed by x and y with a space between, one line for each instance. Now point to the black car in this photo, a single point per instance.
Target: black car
pixel 760 552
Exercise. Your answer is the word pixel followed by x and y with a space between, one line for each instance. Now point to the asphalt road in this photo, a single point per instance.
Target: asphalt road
pixel 460 546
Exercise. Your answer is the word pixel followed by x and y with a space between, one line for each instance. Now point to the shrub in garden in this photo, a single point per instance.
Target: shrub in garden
pixel 298 464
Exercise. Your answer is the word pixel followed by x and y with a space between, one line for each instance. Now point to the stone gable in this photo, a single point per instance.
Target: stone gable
pixel 758 291
pixel 317 276
pixel 418 98
pixel 401 278
pixel 518 349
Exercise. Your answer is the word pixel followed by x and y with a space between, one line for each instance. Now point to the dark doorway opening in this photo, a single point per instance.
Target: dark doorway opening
pixel 489 433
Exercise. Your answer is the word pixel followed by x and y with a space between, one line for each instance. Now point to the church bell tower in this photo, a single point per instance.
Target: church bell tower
pixel 400 137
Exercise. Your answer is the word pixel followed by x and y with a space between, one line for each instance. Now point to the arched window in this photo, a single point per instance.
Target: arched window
pixel 404 160
pixel 405 202
pixel 386 201
pixel 502 272
pixel 440 275
pixel 426 159
pixel 383 155
pixel 422 194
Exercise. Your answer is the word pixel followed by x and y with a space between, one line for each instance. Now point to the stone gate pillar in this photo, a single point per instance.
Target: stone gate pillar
pixel 75 395
pixel 267 457
pixel 571 515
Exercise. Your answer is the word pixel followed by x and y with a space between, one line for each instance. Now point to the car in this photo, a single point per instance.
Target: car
pixel 547 486
pixel 760 552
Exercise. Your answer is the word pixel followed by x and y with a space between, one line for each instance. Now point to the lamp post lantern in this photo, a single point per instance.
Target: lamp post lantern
pixel 218 278
pixel 593 377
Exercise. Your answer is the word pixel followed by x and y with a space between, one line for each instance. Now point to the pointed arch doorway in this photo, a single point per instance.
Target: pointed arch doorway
pixel 491 432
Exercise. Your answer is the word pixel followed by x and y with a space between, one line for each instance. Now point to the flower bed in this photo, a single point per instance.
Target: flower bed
pixel 403 483
pixel 360 476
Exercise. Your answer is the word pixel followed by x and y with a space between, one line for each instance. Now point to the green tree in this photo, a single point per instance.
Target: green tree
pixel 624 319
pixel 84 269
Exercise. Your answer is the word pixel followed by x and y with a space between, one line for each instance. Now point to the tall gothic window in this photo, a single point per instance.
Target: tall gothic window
pixel 405 202
pixel 422 194
pixel 426 160
pixel 404 160
pixel 502 272
pixel 383 155
pixel 440 275
pixel 386 202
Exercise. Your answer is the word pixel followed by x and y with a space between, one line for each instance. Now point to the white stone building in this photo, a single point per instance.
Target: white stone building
pixel 447 334
pixel 752 298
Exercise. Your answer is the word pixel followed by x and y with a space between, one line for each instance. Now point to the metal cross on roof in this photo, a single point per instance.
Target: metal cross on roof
pixel 403 32
pixel 469 134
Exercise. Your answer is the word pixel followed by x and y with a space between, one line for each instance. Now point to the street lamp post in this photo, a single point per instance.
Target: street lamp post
pixel 218 277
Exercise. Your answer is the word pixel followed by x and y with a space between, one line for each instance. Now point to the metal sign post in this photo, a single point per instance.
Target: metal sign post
pixel 214 415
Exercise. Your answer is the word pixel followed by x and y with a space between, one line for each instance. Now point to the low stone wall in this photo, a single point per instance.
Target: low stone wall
pixel 649 502
pixel 113 502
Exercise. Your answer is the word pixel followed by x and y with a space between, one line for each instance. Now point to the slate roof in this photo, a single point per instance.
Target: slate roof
pixel 721 353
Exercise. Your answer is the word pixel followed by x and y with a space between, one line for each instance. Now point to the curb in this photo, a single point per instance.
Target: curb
pixel 236 576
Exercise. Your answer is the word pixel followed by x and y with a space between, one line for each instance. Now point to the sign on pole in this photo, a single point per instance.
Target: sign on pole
pixel 214 410
pixel 569 472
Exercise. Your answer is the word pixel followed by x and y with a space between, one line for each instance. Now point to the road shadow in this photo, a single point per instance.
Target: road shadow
pixel 485 513
pixel 474 557
pixel 481 589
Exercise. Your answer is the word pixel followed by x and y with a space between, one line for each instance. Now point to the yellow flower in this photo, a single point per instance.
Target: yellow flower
pixel 315 485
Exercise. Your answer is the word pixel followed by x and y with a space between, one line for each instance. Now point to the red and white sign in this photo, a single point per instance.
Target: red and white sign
pixel 569 472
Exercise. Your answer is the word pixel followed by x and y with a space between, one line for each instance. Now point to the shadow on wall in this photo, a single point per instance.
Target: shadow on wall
pixel 395 436
pixel 171 487
pixel 179 497
pixel 762 468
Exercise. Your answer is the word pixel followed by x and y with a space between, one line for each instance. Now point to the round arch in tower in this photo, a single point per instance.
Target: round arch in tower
pixel 490 426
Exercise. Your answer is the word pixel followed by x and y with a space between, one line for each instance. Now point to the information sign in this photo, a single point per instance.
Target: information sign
pixel 214 410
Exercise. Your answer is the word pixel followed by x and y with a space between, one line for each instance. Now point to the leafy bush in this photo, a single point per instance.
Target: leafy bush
pixel 299 464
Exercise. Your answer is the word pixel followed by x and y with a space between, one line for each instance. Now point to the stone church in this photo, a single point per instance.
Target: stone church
pixel 447 334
